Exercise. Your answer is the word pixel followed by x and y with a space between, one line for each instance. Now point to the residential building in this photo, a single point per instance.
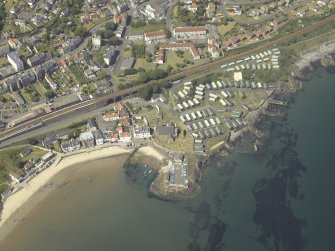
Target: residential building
pixel 36 60
pixel 124 137
pixel 155 11
pixel 3 89
pixel 190 47
pixel 18 99
pixel 213 47
pixel 136 36
pixel 168 132
pixel 15 61
pixel 11 84
pixel 36 20
pixel 71 145
pixel 119 31
pixel 141 132
pixel 92 125
pixel 15 177
pixel 25 153
pixel 70 45
pixel 210 10
pixel 158 98
pixel 111 117
pixel 50 140
pixel 14 43
pixel 193 7
pixel 87 139
pixel 190 32
pixel 14 9
pixel 109 56
pixel 50 81
pixel 89 74
pixel 25 79
pixel 99 139
pixel 155 37
pixel 48 67
pixel 48 156
pixel 113 137
pixel 96 43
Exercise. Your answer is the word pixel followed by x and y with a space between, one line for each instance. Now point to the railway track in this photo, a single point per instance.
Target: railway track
pixel 10 132
pixel 26 125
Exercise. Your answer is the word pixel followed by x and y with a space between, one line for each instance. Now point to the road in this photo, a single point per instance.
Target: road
pixel 180 75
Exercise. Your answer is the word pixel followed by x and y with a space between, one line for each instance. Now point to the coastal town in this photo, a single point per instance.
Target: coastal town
pixel 183 77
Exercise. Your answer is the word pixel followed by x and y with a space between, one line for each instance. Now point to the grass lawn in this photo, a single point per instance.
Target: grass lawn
pixel 3 61
pixel 148 28
pixel 79 74
pixel 182 143
pixel 214 142
pixel 142 62
pixel 224 29
pixel 40 89
pixel 57 148
pixel 9 99
pixel 25 96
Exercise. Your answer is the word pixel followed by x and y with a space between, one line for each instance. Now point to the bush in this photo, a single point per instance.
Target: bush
pixel 130 71
pixel 138 51
pixel 32 141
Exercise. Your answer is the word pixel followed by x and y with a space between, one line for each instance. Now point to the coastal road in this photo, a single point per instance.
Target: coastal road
pixel 180 75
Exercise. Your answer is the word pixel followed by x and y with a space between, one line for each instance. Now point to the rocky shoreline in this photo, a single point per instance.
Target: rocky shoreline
pixel 320 56
pixel 253 137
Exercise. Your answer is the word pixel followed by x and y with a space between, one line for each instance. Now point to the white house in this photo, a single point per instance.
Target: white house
pixel 141 132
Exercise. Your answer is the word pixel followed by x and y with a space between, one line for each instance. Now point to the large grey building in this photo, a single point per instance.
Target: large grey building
pixel 15 61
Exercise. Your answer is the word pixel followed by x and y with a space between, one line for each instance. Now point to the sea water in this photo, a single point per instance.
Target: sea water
pixel 281 199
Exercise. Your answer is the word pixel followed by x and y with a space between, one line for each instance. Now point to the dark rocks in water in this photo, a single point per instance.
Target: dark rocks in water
pixel 215 239
pixel 194 246
pixel 202 216
pixel 273 211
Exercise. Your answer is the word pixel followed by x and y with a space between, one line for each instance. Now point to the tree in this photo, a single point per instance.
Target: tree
pixel 80 31
pixel 2 14
pixel 180 53
pixel 111 26
pixel 32 141
pixel 49 93
pixel 146 92
pixel 114 41
pixel 137 23
pixel 138 50
pixel 130 71
pixel 101 75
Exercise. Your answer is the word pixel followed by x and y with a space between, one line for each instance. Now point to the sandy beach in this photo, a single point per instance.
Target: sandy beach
pixel 15 207
pixel 19 204
pixel 151 152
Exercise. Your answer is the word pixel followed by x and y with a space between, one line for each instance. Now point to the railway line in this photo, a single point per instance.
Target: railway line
pixel 10 132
